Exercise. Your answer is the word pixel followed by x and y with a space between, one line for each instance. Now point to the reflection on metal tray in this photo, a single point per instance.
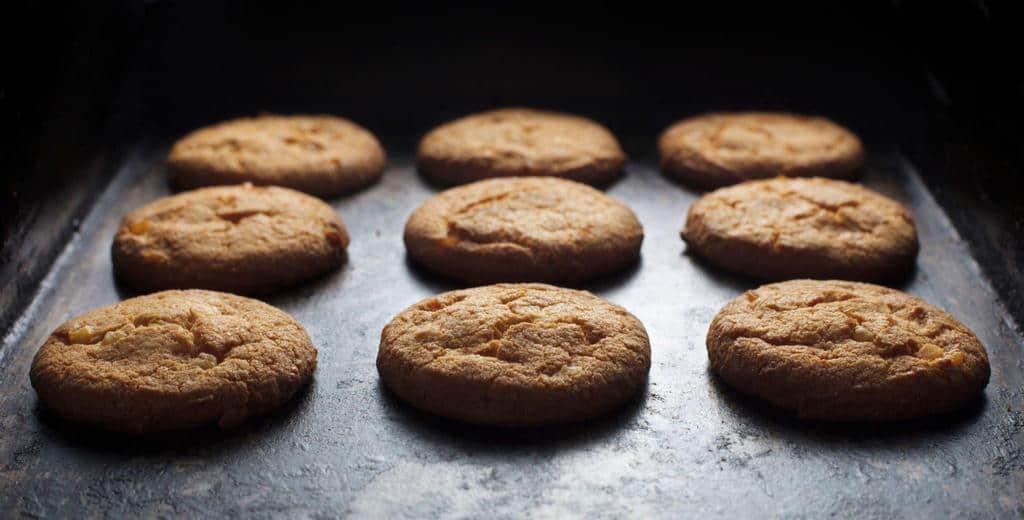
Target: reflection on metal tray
pixel 689 447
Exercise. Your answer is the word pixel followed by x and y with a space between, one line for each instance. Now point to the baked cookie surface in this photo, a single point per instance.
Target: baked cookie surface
pixel 322 155
pixel 523 229
pixel 718 149
pixel 520 142
pixel 785 228
pixel 171 360
pixel 515 355
pixel 846 351
pixel 241 239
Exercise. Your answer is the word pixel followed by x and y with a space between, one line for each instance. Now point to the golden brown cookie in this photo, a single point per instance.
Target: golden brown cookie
pixel 322 155
pixel 718 149
pixel 846 351
pixel 803 228
pixel 241 239
pixel 523 229
pixel 171 360
pixel 520 142
pixel 515 355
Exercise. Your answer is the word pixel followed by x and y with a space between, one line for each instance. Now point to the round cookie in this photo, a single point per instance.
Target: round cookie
pixel 171 360
pixel 523 229
pixel 520 142
pixel 785 228
pixel 515 355
pixel 718 149
pixel 322 155
pixel 846 351
pixel 240 239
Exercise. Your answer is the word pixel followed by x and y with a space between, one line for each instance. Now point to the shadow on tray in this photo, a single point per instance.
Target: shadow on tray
pixel 614 281
pixel 423 424
pixel 439 283
pixel 439 186
pixel 208 440
pixel 426 278
pixel 754 413
pixel 300 291
pixel 742 283
pixel 734 282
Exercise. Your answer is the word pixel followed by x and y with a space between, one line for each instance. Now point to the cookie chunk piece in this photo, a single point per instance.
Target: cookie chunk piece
pixel 523 229
pixel 515 355
pixel 784 228
pixel 321 155
pixel 718 149
pixel 241 239
pixel 520 142
pixel 171 360
pixel 845 351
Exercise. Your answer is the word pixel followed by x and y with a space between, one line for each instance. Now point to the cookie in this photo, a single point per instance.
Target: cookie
pixel 784 228
pixel 520 142
pixel 321 155
pixel 846 351
pixel 523 229
pixel 515 355
pixel 240 239
pixel 718 149
pixel 172 360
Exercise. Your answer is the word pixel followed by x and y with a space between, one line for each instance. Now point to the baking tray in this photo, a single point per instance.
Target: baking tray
pixel 690 447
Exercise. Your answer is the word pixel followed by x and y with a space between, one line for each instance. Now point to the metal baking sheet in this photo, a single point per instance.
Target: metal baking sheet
pixel 690 447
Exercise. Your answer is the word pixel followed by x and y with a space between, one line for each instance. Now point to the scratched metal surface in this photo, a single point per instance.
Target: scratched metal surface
pixel 689 448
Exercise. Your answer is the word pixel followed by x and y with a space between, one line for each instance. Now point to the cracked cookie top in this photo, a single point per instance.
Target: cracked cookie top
pixel 173 359
pixel 520 142
pixel 719 149
pixel 322 155
pixel 839 350
pixel 792 228
pixel 538 229
pixel 234 238
pixel 515 354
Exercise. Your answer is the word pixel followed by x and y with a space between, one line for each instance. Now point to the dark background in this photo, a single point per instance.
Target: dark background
pixel 941 83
